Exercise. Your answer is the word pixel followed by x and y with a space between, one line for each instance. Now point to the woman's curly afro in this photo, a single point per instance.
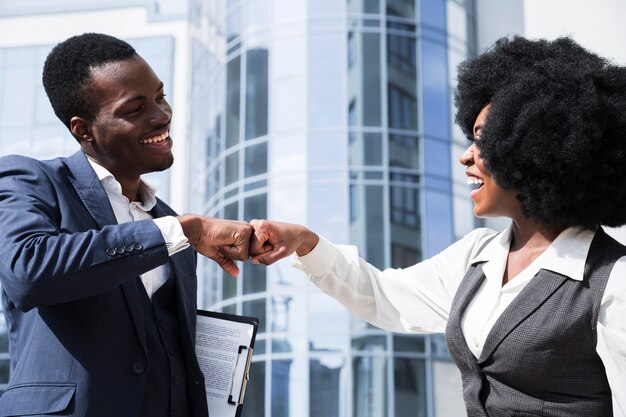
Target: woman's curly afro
pixel 556 129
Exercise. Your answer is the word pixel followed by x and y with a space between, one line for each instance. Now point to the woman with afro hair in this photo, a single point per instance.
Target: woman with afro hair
pixel 534 316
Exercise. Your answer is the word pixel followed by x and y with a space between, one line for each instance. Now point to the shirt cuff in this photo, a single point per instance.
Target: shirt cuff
pixel 317 262
pixel 172 232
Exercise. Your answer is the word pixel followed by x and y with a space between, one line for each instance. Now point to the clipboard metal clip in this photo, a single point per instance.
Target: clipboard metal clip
pixel 245 378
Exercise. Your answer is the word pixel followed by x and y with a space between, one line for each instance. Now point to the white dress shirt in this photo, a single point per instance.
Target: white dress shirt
pixel 418 299
pixel 128 211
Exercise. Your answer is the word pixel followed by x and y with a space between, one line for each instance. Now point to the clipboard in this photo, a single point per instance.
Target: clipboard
pixel 224 347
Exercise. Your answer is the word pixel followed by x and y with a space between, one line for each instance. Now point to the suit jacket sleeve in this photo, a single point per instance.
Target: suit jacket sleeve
pixel 51 249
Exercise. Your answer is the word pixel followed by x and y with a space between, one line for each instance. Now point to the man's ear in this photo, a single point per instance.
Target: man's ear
pixel 81 129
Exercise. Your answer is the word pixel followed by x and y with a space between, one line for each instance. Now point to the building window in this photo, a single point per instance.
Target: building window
pixel 256 93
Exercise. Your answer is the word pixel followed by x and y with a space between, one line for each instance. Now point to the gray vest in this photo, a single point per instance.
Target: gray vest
pixel 540 357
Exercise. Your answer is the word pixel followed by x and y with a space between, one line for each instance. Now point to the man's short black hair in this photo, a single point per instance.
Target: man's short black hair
pixel 556 129
pixel 66 72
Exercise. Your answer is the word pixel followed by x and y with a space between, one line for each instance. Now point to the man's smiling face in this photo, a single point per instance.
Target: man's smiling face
pixel 130 128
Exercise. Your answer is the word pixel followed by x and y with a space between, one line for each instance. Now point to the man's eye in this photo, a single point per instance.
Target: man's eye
pixel 135 110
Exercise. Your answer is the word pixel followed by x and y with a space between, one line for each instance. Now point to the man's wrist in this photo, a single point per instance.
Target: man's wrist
pixel 192 227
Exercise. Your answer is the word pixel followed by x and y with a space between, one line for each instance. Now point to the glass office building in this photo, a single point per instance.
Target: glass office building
pixel 336 114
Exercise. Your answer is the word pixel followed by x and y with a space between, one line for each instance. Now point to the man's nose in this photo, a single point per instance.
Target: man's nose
pixel 160 114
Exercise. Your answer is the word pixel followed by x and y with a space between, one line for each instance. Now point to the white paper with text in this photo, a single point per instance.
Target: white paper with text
pixel 223 365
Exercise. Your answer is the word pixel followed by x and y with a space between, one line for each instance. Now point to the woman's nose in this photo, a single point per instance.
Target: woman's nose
pixel 467 158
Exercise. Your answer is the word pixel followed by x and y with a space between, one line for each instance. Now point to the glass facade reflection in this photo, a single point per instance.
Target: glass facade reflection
pixel 337 115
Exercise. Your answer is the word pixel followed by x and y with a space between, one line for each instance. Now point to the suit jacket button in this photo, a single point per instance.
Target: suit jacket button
pixel 119 250
pixel 176 380
pixel 129 248
pixel 137 246
pixel 138 368
pixel 111 251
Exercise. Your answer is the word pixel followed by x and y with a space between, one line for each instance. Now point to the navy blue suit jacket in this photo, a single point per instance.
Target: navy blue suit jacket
pixel 68 271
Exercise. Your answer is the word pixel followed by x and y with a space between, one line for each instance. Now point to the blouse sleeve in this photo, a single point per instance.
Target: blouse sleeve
pixel 411 300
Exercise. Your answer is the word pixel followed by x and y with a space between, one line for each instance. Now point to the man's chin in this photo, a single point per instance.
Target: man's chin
pixel 164 165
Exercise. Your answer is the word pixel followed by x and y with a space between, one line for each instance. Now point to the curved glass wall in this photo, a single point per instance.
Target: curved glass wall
pixel 337 115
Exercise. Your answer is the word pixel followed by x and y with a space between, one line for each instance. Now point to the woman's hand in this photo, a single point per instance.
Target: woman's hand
pixel 273 241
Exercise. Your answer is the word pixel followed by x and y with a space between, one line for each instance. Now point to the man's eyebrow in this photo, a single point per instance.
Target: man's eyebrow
pixel 134 98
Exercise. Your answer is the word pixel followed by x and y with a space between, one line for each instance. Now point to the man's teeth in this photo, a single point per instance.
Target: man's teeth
pixel 156 139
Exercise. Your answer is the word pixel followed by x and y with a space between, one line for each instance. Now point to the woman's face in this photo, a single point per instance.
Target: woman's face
pixel 489 199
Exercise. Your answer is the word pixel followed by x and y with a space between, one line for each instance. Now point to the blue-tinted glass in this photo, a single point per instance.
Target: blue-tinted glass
pixel 281 345
pixel 325 379
pixel 325 8
pixel 231 168
pixel 253 278
pixel 281 383
pixel 21 57
pixel 366 149
pixel 433 13
pixel 364 6
pixel 369 382
pixel 233 24
pixel 233 84
pixel 438 347
pixel 371 101
pixel 401 8
pixel 410 387
pixel 230 309
pixel 326 70
pixel 255 207
pixel 255 393
pixel 369 343
pixel 351 50
pixel 403 151
pixel 256 160
pixel 435 90
pixel 436 158
pixel 439 218
pixel 401 55
pixel 409 344
pixel 256 308
pixel 256 92
pixel 17 96
pixel 402 106
pixel 374 219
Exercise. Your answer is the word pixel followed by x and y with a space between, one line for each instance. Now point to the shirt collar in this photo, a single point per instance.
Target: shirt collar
pixel 146 193
pixel 566 255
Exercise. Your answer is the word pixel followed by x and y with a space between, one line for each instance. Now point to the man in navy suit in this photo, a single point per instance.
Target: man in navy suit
pixel 98 275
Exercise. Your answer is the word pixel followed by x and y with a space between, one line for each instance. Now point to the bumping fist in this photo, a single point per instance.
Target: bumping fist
pixel 224 241
pixel 272 241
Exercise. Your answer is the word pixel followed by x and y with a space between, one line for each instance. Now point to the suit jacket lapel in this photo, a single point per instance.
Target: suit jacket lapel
pixel 536 292
pixel 90 190
pixel 94 198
